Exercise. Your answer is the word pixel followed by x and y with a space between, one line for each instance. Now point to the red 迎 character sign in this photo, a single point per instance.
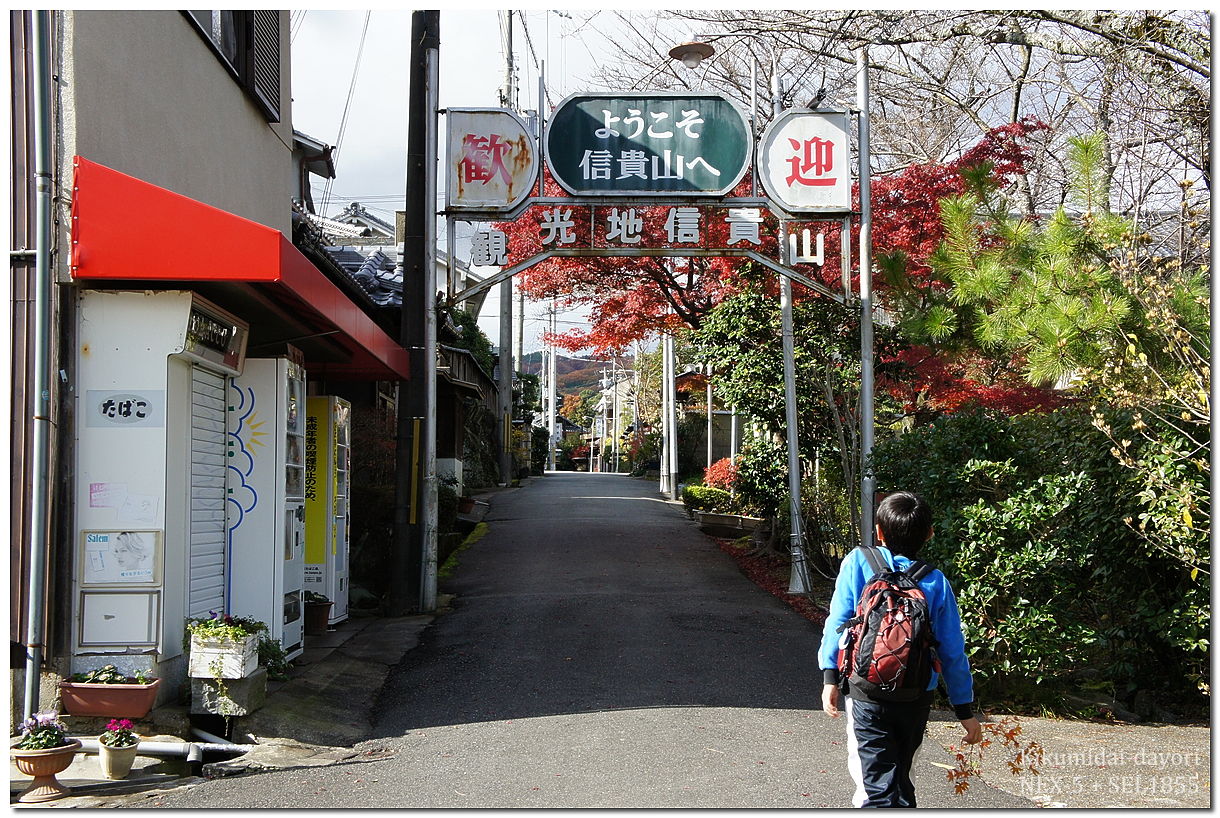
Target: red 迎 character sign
pixel 804 163
pixel 812 161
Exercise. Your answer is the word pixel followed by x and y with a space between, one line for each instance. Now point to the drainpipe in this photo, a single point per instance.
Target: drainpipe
pixel 40 404
pixel 190 750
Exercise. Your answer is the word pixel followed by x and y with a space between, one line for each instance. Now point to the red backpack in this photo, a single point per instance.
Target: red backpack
pixel 890 651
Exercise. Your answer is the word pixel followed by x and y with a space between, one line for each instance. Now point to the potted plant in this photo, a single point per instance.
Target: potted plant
pixel 223 646
pixel 317 613
pixel 108 692
pixel 465 504
pixel 43 751
pixel 117 749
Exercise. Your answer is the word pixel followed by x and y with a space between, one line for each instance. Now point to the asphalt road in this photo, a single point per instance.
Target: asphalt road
pixel 601 652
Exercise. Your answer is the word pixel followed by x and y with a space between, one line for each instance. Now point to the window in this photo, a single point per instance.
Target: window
pixel 248 45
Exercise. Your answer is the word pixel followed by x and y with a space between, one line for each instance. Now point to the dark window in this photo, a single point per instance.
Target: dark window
pixel 248 45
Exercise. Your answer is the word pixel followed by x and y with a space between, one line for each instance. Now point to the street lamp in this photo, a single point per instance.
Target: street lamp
pixel 692 53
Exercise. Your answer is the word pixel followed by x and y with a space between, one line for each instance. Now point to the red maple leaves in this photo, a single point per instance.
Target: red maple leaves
pixel 632 298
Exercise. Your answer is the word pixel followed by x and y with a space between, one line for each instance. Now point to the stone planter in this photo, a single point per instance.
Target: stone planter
pixel 116 761
pixel 44 765
pixel 121 701
pixel 212 659
pixel 317 618
pixel 229 697
pixel 727 525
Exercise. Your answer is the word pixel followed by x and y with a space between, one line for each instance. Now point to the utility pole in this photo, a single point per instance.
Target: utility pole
pixel 505 434
pixel 601 449
pixel 551 392
pixel 669 472
pixel 666 432
pixel 519 332
pixel 617 423
pixel 510 102
pixel 414 560
pixel 710 420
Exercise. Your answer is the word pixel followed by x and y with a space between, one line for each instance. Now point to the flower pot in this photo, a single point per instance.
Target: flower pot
pixel 116 761
pixel 44 765
pixel 317 617
pixel 121 701
pixel 223 659
pixel 465 505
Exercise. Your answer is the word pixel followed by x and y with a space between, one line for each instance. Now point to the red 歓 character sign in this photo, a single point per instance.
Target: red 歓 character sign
pixel 483 158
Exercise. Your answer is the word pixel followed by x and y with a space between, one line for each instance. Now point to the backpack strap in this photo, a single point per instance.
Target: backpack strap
pixel 918 570
pixel 873 554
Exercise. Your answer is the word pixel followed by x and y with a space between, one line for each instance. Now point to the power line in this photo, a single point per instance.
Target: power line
pixel 298 17
pixel 351 91
pixel 529 42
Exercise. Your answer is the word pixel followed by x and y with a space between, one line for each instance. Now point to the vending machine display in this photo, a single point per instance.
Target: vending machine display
pixel 266 498
pixel 327 493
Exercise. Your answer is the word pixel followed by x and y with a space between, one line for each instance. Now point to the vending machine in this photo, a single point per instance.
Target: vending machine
pixel 328 428
pixel 266 496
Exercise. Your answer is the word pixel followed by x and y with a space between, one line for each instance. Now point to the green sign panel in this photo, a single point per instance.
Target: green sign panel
pixel 614 144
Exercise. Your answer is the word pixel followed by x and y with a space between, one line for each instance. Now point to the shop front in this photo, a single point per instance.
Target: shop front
pixel 199 336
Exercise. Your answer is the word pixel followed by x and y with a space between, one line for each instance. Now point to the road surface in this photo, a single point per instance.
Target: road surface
pixel 601 652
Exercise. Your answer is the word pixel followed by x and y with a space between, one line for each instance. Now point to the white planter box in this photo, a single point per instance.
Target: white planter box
pixel 223 660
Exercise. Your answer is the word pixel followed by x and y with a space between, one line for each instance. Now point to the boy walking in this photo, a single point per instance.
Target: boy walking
pixel 883 733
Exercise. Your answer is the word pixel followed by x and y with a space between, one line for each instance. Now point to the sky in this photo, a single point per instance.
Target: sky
pixel 371 163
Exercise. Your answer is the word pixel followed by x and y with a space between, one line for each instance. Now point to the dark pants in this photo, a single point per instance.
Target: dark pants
pixel 881 742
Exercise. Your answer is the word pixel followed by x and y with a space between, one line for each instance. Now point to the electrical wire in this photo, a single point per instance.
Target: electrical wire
pixel 347 105
pixel 529 42
pixel 295 25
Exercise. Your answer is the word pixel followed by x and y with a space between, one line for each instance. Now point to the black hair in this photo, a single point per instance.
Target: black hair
pixel 905 519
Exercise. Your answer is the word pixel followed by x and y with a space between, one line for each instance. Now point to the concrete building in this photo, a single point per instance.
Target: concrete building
pixel 187 339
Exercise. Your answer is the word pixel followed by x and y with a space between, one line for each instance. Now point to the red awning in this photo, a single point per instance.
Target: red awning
pixel 124 229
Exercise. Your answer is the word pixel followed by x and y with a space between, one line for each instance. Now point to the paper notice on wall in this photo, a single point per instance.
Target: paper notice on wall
pixel 138 508
pixel 107 495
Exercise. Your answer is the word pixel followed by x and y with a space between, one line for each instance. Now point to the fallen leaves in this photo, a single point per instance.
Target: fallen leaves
pixel 770 572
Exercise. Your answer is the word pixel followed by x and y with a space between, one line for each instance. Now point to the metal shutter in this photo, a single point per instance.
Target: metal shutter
pixel 207 500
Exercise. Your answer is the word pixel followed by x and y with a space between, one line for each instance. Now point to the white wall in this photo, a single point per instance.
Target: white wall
pixel 126 339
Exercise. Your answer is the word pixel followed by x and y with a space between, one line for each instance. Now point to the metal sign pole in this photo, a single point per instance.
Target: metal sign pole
pixel 506 381
pixel 867 484
pixel 798 580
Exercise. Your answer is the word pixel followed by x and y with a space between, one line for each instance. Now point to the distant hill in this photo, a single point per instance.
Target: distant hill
pixel 574 374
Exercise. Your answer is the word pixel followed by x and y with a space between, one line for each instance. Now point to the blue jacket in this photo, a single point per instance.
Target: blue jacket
pixel 854 574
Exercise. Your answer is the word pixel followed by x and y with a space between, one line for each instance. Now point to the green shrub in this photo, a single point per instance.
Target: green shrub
pixel 762 478
pixel 706 498
pixel 1057 592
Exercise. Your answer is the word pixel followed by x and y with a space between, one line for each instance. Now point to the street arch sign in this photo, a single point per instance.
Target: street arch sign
pixel 648 144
